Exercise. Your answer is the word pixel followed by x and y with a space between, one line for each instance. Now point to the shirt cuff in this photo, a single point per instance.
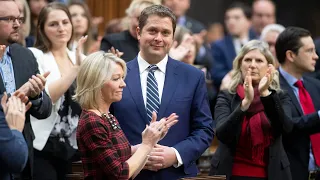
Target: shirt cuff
pixel 319 114
pixel 178 159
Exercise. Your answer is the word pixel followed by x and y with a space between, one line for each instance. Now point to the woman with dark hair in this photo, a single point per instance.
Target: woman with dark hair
pixel 82 26
pixel 251 117
pixel 55 137
pixel 35 8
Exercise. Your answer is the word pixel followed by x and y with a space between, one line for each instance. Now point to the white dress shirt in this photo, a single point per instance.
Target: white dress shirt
pixel 238 43
pixel 160 75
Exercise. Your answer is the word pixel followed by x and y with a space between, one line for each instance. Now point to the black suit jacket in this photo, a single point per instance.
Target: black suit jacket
pixel 195 26
pixel 297 143
pixel 24 66
pixel 122 41
pixel 228 129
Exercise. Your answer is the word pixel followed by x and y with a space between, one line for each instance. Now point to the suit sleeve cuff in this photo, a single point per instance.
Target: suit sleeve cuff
pixel 178 159
pixel 36 102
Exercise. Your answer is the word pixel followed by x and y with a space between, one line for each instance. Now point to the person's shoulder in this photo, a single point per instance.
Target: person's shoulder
pixel 36 51
pixel 18 48
pixel 121 36
pixel 22 53
pixel 88 120
pixel 312 80
pixel 220 42
pixel 226 93
pixel 197 26
pixel 186 68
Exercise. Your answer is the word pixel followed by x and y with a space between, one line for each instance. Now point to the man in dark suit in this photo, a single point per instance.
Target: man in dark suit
pixel 180 8
pixel 156 82
pixel 126 41
pixel 237 20
pixel 263 14
pixel 296 54
pixel 19 72
pixel 14 149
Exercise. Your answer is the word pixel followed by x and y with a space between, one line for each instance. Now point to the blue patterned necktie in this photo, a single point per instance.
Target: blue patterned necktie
pixel 153 102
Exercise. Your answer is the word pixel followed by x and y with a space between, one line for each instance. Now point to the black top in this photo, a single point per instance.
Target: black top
pixel 122 41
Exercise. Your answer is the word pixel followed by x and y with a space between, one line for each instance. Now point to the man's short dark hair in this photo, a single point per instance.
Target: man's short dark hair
pixel 289 39
pixel 246 9
pixel 158 10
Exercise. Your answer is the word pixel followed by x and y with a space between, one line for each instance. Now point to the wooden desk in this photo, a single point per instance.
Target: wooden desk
pixel 77 172
pixel 218 177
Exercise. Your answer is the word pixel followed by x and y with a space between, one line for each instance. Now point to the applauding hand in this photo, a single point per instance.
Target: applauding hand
pixel 266 81
pixel 79 48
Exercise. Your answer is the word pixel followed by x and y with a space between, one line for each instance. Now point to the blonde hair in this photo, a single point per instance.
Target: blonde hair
pixel 96 69
pixel 139 4
pixel 236 70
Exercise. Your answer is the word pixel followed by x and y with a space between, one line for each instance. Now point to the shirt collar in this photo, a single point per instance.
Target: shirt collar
pixel 7 51
pixel 143 64
pixel 182 20
pixel 288 77
pixel 241 41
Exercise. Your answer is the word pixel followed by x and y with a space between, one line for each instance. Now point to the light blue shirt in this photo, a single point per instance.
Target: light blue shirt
pixel 291 81
pixel 7 73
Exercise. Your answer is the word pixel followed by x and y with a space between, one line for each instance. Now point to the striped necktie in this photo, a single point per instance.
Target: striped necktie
pixel 153 102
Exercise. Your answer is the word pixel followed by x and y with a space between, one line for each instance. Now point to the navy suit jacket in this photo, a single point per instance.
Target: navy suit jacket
pixel 297 143
pixel 184 93
pixel 223 53
pixel 13 150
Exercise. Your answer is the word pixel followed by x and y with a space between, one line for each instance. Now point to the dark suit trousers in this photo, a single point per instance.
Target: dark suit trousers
pixel 47 167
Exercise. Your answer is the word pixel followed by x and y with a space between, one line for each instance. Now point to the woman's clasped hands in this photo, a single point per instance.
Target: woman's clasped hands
pixel 263 86
pixel 157 130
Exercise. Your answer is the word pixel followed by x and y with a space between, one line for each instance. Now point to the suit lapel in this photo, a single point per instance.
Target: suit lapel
pixel 17 68
pixel 284 85
pixel 231 50
pixel 134 86
pixel 170 85
pixel 312 91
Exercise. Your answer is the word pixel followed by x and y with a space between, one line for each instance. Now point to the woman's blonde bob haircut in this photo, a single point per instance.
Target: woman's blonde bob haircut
pixel 236 71
pixel 95 70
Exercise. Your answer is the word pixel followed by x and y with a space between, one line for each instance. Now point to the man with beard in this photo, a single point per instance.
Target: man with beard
pixel 19 73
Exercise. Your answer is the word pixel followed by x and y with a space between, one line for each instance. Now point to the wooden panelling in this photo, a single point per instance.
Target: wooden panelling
pixel 108 9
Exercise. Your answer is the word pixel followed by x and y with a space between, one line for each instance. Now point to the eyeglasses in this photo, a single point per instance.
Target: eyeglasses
pixel 11 19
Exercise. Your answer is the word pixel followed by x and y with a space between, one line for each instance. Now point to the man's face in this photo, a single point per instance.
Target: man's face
pixel 305 59
pixel 155 38
pixel 263 14
pixel 179 7
pixel 9 30
pixel 236 22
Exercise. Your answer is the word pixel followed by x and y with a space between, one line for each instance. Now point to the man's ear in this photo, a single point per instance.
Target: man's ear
pixel 138 31
pixel 290 55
